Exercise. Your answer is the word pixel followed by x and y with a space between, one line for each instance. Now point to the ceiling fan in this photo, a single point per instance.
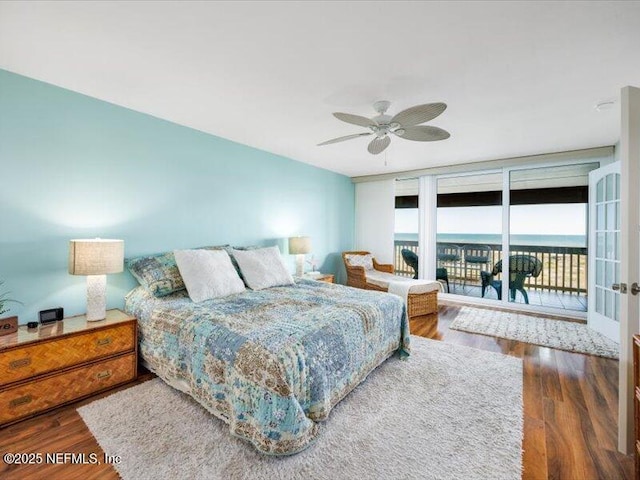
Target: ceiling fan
pixel 405 124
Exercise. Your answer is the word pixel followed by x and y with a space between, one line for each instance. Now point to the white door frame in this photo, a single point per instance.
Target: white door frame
pixel 629 153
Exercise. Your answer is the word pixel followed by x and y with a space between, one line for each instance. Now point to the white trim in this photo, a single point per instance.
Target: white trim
pixel 601 154
pixel 468 174
pixel 427 226
pixel 513 306
pixel 506 232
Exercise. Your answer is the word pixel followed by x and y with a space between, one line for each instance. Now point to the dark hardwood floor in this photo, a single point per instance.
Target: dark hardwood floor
pixel 570 416
pixel 570 406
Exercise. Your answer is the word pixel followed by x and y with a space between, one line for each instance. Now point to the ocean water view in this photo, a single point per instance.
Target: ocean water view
pixel 496 239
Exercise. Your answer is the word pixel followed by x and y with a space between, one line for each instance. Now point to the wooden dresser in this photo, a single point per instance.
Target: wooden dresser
pixel 636 400
pixel 62 362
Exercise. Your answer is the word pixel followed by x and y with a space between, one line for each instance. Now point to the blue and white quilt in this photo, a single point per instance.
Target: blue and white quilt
pixel 271 363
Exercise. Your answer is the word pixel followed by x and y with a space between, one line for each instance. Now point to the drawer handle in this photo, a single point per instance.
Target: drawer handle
pixel 101 342
pixel 104 374
pixel 16 402
pixel 23 362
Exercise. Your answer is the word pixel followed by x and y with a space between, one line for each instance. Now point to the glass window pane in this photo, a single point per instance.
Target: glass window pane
pixel 600 191
pixel 599 300
pixel 611 216
pixel 600 217
pixel 617 185
pixel 617 274
pixel 608 275
pixel 610 245
pixel 600 272
pixel 469 234
pixel 616 307
pixel 608 303
pixel 600 245
pixel 609 191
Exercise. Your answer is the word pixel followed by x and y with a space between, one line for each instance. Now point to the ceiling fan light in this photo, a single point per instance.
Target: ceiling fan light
pixel 399 132
pixel 394 125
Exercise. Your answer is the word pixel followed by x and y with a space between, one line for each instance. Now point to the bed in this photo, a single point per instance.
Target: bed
pixel 271 363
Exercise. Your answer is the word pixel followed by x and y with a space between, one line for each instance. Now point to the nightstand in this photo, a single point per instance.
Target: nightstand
pixel 61 362
pixel 325 277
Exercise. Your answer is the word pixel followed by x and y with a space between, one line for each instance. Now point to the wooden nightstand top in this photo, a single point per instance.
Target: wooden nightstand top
pixel 67 326
pixel 325 277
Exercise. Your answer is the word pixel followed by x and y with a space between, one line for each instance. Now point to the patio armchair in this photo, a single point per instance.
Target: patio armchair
pixel 475 257
pixel 520 267
pixel 411 259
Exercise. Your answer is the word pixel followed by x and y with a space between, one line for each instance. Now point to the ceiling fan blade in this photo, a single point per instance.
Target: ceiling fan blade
pixel 419 114
pixel 378 144
pixel 355 119
pixel 422 133
pixel 346 137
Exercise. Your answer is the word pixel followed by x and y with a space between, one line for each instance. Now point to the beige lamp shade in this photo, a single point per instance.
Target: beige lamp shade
pixel 299 245
pixel 96 256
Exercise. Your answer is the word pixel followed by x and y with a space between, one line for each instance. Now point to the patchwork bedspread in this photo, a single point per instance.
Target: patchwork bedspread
pixel 270 363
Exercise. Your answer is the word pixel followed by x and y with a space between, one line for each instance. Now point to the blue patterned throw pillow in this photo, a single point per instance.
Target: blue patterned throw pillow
pixel 159 273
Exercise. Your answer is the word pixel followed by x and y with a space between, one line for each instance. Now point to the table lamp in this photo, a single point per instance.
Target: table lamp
pixel 96 258
pixel 299 246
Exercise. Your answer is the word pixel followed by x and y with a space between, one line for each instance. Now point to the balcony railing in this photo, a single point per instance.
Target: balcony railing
pixel 564 269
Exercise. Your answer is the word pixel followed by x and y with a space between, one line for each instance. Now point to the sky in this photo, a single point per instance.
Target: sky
pixel 551 219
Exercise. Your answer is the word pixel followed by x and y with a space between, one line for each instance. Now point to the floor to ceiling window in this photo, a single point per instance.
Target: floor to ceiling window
pixel 537 217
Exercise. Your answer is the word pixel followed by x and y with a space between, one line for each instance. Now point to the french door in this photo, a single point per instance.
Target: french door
pixel 604 255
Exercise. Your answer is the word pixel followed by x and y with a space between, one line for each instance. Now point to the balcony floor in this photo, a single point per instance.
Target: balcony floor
pixel 544 298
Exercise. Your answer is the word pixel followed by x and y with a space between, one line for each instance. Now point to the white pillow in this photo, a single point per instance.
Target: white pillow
pixel 263 268
pixel 365 261
pixel 208 274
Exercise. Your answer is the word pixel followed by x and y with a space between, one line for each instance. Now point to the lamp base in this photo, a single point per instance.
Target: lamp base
pixel 299 265
pixel 96 297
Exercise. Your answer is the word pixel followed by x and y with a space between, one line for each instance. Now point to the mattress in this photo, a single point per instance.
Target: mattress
pixel 271 363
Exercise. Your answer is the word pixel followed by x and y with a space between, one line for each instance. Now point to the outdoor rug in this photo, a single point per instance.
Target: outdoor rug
pixel 560 334
pixel 448 412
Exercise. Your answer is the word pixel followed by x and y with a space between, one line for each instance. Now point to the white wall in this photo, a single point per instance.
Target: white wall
pixel 375 217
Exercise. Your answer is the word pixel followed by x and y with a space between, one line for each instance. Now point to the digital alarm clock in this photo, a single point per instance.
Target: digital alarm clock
pixel 51 315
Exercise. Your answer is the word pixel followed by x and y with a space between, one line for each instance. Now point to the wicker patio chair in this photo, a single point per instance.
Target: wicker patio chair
pixel 411 259
pixel 520 268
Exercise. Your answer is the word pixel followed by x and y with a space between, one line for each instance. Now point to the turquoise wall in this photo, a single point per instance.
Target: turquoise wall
pixel 76 167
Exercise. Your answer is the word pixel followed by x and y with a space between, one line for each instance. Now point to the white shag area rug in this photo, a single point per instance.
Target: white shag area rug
pixel 449 412
pixel 560 334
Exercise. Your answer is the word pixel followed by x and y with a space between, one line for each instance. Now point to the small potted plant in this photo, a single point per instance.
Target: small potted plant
pixel 7 324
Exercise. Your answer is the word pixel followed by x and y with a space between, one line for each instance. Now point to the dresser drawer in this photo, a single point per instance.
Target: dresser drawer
pixel 42 357
pixel 52 391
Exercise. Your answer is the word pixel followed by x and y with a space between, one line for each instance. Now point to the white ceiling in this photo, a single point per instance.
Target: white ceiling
pixel 519 78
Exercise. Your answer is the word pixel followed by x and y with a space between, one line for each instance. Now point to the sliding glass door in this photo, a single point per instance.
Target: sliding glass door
pixel 548 213
pixel 535 218
pixel 469 233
